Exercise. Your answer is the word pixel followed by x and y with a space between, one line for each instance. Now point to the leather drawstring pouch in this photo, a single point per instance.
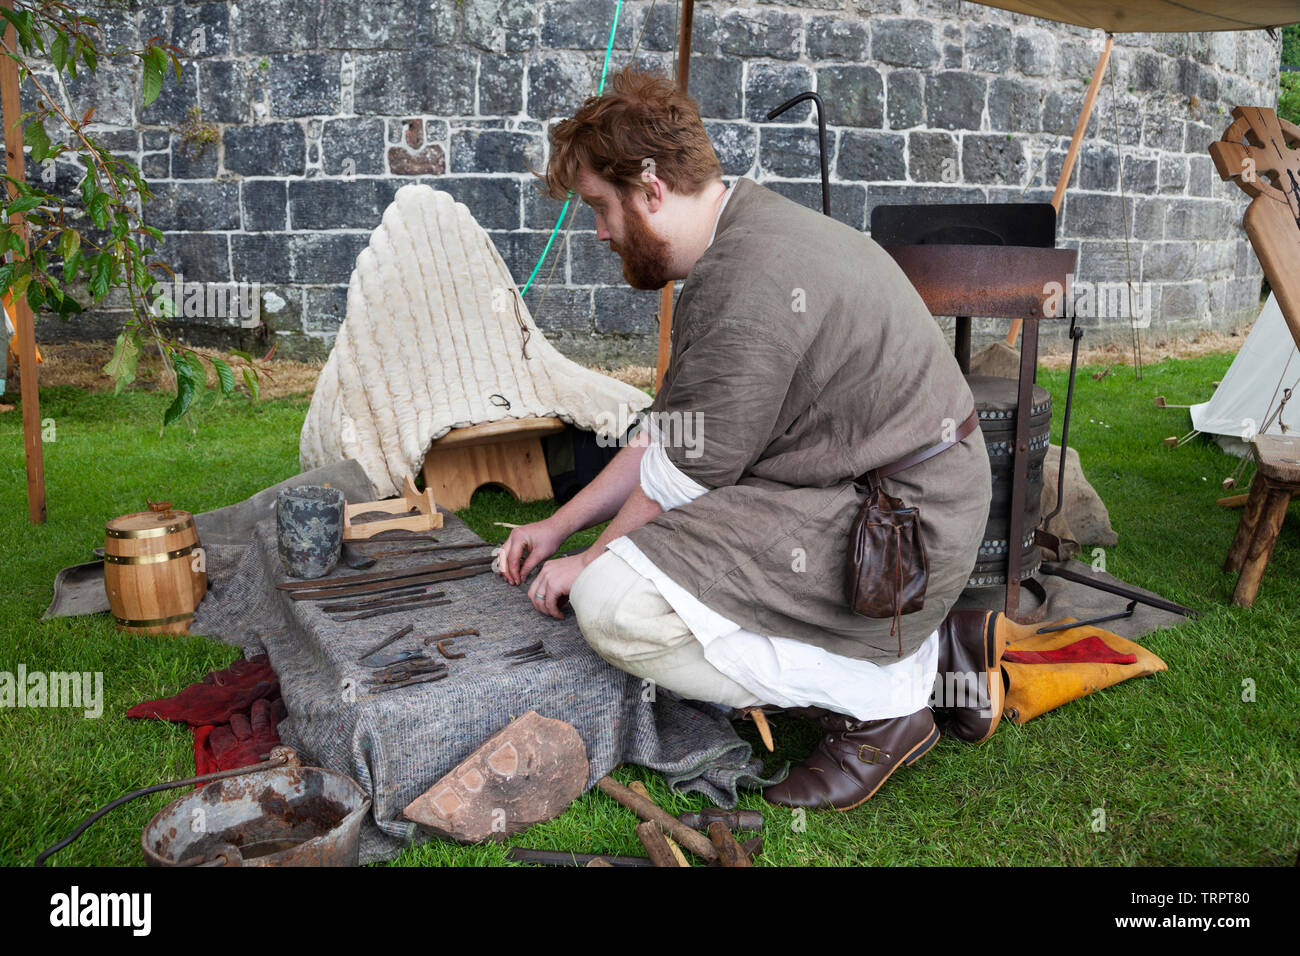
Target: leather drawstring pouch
pixel 887 571
pixel 1040 676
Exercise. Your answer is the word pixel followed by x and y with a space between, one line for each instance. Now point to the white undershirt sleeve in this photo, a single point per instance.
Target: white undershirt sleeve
pixel 662 481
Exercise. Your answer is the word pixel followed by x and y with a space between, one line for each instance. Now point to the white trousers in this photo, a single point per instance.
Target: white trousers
pixel 628 622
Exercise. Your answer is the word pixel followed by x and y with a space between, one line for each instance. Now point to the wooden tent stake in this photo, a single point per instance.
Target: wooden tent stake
pixel 666 293
pixel 26 329
pixel 1080 127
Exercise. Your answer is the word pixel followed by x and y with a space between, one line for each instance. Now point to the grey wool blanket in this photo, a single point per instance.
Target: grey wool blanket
pixel 397 743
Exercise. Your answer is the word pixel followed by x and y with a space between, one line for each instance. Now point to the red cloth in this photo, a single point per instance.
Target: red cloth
pixel 1088 650
pixel 215 698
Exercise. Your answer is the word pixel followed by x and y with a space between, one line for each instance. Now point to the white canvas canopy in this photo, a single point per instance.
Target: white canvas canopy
pixel 1267 364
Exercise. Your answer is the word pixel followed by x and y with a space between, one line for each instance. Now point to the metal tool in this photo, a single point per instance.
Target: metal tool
pixel 450 655
pixel 396 673
pixel 395 636
pixel 426 679
pixel 426 549
pixel 381 587
pixel 526 655
pixel 395 657
pixel 382 576
pixel 518 854
pixel 821 139
pixel 463 632
pixel 1092 582
pixel 732 819
pixel 390 600
pixel 355 559
pixel 530 649
pixel 380 612
pixel 1127 612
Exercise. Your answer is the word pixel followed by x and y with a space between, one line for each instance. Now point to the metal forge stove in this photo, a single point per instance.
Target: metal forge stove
pixel 997 260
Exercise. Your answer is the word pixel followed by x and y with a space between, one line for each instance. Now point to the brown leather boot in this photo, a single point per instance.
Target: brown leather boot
pixel 968 689
pixel 854 760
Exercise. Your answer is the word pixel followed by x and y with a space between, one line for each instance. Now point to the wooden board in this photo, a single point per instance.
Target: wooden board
pixel 518 465
pixel 418 511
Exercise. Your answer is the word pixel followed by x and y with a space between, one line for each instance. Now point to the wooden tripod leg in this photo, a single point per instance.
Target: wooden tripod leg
pixel 1261 544
pixel 1246 526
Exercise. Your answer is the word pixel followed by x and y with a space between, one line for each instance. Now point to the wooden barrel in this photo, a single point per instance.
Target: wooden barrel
pixel 995 400
pixel 151 562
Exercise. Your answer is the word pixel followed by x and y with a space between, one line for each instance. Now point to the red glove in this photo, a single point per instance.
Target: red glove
pixel 246 740
pixel 1088 650
pixel 217 697
pixel 202 754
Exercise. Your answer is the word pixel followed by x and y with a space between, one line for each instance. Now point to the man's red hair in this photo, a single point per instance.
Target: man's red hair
pixel 641 119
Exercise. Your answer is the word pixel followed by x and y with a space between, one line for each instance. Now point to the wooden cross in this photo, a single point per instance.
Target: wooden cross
pixel 1258 153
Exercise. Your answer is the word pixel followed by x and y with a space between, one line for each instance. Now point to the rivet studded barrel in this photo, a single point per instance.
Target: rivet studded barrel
pixel 995 400
pixel 154 571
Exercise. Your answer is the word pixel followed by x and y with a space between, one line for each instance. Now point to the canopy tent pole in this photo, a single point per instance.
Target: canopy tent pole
pixel 666 293
pixel 26 331
pixel 1062 181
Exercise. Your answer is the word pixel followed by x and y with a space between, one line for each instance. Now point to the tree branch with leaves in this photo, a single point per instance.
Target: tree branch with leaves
pixel 103 239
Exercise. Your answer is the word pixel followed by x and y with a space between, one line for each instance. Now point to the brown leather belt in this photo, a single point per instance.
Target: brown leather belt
pixel 965 428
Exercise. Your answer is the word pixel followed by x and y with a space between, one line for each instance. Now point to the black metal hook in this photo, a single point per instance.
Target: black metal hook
pixel 821 139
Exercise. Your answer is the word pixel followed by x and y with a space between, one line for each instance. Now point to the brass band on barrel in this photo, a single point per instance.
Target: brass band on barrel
pixel 156 622
pixel 151 532
pixel 148 558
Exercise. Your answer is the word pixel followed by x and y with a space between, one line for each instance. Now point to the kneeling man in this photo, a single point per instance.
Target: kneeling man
pixel 801 358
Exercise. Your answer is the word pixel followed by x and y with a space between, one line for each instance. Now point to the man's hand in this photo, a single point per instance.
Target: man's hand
pixel 540 540
pixel 555 581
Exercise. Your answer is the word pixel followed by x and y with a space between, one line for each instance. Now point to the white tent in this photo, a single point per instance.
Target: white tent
pixel 1267 364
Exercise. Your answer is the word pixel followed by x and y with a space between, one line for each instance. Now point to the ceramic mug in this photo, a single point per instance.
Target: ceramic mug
pixel 309 522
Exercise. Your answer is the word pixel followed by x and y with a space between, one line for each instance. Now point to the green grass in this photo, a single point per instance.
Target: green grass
pixel 1186 771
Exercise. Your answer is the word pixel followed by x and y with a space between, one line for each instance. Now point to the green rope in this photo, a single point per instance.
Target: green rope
pixel 609 48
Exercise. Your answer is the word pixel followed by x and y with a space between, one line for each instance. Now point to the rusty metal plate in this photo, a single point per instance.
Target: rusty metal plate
pixel 995 281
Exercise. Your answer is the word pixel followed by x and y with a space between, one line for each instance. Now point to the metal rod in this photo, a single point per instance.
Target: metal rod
pixel 375 603
pixel 395 636
pixel 156 788
pixel 1127 612
pixel 447 635
pixel 380 587
pixel 821 139
pixel 518 854
pixel 1126 592
pixel 354 579
pixel 1075 335
pixel 380 612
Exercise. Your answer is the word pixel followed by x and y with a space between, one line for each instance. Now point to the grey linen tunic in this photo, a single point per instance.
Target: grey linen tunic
pixel 806 358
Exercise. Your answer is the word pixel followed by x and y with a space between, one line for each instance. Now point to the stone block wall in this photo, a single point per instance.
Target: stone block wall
pixel 322 110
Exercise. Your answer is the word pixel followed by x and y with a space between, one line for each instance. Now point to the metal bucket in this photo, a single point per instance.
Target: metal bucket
pixel 287 816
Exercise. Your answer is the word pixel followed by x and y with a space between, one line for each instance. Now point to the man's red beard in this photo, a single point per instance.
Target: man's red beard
pixel 644 254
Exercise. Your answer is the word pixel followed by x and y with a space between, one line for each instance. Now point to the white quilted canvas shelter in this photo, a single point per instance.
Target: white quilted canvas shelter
pixel 434 339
